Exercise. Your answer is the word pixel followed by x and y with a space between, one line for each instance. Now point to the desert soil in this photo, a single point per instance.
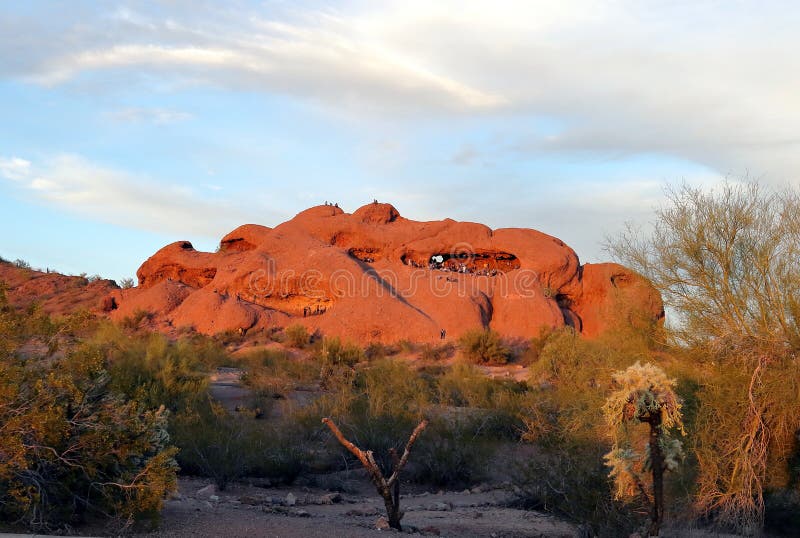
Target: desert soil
pixel 247 510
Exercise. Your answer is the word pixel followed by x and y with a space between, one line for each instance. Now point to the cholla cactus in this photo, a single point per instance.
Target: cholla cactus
pixel 645 394
pixel 643 390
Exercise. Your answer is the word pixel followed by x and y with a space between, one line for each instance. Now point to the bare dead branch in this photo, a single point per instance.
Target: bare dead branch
pixel 388 489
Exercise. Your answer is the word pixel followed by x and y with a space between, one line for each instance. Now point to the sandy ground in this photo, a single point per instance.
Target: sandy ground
pixel 247 510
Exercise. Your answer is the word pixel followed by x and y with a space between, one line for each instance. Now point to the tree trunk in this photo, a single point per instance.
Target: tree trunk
pixel 657 466
pixel 392 508
pixel 395 515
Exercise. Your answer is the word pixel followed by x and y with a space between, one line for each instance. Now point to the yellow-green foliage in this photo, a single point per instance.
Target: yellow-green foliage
pixel 728 263
pixel 391 387
pixel 484 346
pixel 274 372
pixel 642 392
pixel 71 447
pixel 333 351
pixel 297 336
pixel 575 375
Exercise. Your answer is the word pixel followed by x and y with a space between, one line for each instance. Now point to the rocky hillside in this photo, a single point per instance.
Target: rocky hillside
pixel 375 276
pixel 55 293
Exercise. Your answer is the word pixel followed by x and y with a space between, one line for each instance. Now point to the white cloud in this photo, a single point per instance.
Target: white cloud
pixel 74 184
pixel 14 168
pixel 158 116
pixel 712 85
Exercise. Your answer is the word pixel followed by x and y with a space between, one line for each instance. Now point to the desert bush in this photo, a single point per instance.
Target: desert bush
pixel 406 346
pixel 375 351
pixel 570 479
pixel 297 336
pixel 376 405
pixel 127 283
pixel 227 447
pixel 484 346
pixel 463 385
pixel 285 450
pixel 433 352
pixel 277 361
pixel 530 353
pixel 452 453
pixel 156 371
pixel 137 319
pixel 728 262
pixel 562 413
pixel 22 264
pixel 393 388
pixel 230 337
pixel 494 404
pixel 213 443
pixel 334 352
pixel 74 448
pixel 275 371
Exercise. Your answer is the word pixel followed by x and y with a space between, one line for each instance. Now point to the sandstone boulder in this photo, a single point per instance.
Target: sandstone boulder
pixel 374 275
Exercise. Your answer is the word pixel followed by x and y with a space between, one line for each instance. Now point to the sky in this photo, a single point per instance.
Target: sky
pixel 125 126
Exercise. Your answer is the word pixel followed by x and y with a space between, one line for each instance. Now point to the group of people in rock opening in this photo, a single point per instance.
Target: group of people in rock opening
pixel 439 263
pixel 316 310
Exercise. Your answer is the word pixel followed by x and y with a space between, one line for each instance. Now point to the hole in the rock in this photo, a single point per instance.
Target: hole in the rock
pixel 620 280
pixel 411 260
pixel 487 262
pixel 237 244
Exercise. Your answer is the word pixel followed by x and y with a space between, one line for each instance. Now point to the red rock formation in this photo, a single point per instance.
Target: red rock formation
pixel 55 293
pixel 376 276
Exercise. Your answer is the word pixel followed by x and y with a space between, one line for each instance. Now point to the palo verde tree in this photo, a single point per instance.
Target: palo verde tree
pixel 71 448
pixel 727 263
pixel 644 395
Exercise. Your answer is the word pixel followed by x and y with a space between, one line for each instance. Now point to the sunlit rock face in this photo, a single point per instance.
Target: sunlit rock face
pixel 375 276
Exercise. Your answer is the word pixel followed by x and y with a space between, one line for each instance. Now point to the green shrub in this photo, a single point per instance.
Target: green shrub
pixel 137 319
pixel 334 352
pixel 431 352
pixel 452 453
pixel 127 283
pixel 22 264
pixel 213 443
pixel 494 404
pixel 392 388
pixel 297 336
pixel 570 480
pixel 74 448
pixel 484 346
pixel 407 346
pixel 377 350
